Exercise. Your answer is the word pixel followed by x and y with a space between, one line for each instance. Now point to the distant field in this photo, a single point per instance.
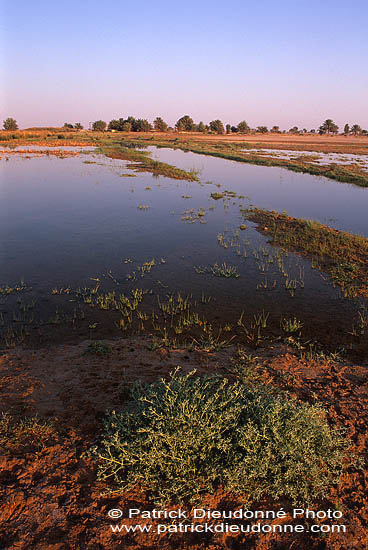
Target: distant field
pixel 307 142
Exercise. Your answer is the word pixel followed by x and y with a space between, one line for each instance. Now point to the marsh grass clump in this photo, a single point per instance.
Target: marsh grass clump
pixel 222 270
pixel 209 342
pixel 27 434
pixel 188 435
pixel 217 196
pixel 360 325
pixel 19 287
pixel 253 330
pixel 98 348
pixel 291 325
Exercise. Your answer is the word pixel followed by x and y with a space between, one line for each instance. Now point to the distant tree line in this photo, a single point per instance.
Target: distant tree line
pixel 76 126
pixel 129 124
pixel 186 124
pixel 329 127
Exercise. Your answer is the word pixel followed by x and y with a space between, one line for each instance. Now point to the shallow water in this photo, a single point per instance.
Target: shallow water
pixel 65 221
pixel 340 205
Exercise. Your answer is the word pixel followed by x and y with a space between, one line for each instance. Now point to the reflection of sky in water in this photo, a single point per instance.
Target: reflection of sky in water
pixel 340 205
pixel 63 221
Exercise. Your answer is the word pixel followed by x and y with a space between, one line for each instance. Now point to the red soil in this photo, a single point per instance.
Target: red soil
pixel 50 496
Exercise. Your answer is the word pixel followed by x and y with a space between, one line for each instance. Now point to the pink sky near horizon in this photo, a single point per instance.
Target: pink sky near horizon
pixel 286 64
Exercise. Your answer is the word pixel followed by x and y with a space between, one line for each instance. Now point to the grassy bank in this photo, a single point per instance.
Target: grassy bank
pixel 142 162
pixel 342 255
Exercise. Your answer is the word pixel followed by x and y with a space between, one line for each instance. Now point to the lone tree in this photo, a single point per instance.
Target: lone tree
pixel 228 128
pixel 262 129
pixel 114 125
pixel 10 124
pixel 201 127
pixel 132 121
pixel 68 125
pixel 217 126
pixel 99 126
pixel 185 124
pixel 126 127
pixel 142 125
pixel 243 127
pixel 328 127
pixel 129 124
pixel 78 126
pixel 275 129
pixel 160 124
pixel 356 130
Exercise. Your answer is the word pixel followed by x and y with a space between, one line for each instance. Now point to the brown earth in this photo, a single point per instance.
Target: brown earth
pixel 51 498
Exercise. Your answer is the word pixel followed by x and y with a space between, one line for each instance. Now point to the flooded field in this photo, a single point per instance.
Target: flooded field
pixel 91 247
pixel 302 195
pixel 317 158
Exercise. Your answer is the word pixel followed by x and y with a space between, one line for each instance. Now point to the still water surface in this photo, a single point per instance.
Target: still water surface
pixel 65 221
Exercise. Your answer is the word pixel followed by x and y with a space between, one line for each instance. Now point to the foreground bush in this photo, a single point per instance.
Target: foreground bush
pixel 188 435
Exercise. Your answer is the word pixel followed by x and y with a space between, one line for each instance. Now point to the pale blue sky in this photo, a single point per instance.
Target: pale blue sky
pixel 268 62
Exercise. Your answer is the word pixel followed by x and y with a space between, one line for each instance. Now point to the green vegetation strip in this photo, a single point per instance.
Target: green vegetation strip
pixel 188 435
pixel 343 255
pixel 142 162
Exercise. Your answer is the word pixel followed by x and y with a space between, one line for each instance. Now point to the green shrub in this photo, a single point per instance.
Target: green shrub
pixel 98 348
pixel 188 435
